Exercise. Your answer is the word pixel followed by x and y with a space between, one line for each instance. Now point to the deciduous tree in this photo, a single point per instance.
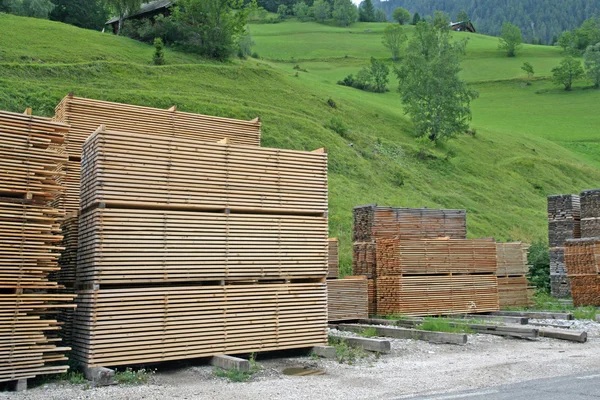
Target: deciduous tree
pixel 344 12
pixel 123 8
pixel 380 15
pixel 321 10
pixel 401 15
pixel 592 64
pixel 528 69
pixel 394 38
pixel 437 100
pixel 569 70
pixel 510 39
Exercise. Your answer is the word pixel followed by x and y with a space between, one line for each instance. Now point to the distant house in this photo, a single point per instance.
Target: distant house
pixel 462 26
pixel 146 11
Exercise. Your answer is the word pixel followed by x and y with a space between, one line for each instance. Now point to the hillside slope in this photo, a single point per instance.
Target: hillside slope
pixel 501 176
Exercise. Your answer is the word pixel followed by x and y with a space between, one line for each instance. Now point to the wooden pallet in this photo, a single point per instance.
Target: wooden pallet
pixel 151 246
pixel 143 170
pixel 375 222
pixel 437 295
pixel 435 256
pixel 85 115
pixel 333 262
pixel 143 325
pixel 347 299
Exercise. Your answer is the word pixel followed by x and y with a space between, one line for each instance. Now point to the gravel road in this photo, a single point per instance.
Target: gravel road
pixel 413 368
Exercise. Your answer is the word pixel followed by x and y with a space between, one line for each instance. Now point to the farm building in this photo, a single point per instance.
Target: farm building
pixel 146 11
pixel 462 26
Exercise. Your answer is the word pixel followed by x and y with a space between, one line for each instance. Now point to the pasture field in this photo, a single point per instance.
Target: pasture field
pixel 531 141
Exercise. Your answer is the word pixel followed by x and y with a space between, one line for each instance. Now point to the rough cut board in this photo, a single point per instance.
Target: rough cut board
pixel 135 246
pixel 364 258
pixel 333 263
pixel 347 299
pixel 142 325
pixel 512 258
pixel 68 175
pixel 515 291
pixel 435 256
pixel 85 115
pixel 437 295
pixel 133 169
pixel 375 222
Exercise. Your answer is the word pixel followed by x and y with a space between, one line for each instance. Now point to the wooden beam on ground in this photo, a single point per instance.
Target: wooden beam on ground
pixel 231 363
pixel 497 318
pixel 100 376
pixel 325 351
pixel 580 337
pixel 376 345
pixel 533 314
pixel 403 333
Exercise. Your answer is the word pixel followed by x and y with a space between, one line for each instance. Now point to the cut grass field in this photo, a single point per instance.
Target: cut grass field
pixel 530 141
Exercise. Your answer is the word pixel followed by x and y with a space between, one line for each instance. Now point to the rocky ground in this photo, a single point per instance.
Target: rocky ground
pixel 413 368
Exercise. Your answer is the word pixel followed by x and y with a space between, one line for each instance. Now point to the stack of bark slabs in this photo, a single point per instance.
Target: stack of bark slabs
pixel 582 257
pixel 564 214
pixel 513 285
pixel 372 222
pixel 333 269
pixel 29 247
pixel 191 249
pixel 347 298
pixel 436 276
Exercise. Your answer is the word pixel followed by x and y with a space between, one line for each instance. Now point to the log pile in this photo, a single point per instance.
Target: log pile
pixel 582 257
pixel 347 299
pixel 513 286
pixel 192 249
pixel 30 152
pixel 333 269
pixel 590 213
pixel 564 223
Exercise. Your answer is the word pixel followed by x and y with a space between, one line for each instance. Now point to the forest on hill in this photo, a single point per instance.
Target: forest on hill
pixel 541 21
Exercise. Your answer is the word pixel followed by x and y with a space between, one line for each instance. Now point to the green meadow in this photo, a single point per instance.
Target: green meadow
pixel 531 141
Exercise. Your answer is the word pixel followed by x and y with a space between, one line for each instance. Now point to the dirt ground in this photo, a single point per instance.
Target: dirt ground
pixel 413 368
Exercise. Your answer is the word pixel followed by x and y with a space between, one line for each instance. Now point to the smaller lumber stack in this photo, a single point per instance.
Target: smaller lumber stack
pixel 436 276
pixel 333 270
pixel 582 257
pixel 513 286
pixel 347 298
pixel 564 223
pixel 364 262
pixel 30 154
pixel 590 213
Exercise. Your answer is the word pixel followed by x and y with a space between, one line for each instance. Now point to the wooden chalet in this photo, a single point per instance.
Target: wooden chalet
pixel 146 11
pixel 462 26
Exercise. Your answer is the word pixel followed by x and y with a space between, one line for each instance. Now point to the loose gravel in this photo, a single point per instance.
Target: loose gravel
pixel 413 368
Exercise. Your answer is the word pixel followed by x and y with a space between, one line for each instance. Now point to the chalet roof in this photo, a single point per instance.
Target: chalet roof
pixel 145 9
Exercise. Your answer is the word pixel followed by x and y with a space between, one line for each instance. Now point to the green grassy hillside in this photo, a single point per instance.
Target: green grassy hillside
pixel 530 142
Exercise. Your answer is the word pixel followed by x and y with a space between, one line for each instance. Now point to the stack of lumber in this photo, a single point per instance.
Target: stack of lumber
pixel 85 115
pixel 347 299
pixel 582 257
pixel 435 256
pixel 364 259
pixel 197 249
pixel 437 294
pixel 590 213
pixel 333 269
pixel 127 246
pixel 513 286
pixel 455 276
pixel 150 171
pixel 153 324
pixel 564 223
pixel 68 175
pixel 373 222
pixel 30 152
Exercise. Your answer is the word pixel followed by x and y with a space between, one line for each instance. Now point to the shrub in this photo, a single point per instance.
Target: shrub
pixel 337 125
pixel 159 54
pixel 539 265
pixel 245 44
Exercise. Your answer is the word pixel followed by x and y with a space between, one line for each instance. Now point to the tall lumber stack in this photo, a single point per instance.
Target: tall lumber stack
pixel 436 276
pixel 85 115
pixel 30 154
pixel 582 256
pixel 513 286
pixel 564 223
pixel 191 249
pixel 333 269
pixel 372 222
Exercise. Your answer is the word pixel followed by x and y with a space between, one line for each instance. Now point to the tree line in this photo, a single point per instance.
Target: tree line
pixel 541 21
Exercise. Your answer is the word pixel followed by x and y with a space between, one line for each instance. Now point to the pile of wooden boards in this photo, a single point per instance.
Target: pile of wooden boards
pixel 30 155
pixel 347 298
pixel 192 240
pixel 513 285
pixel 436 276
pixel 401 250
pixel 582 257
pixel 590 213
pixel 564 223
